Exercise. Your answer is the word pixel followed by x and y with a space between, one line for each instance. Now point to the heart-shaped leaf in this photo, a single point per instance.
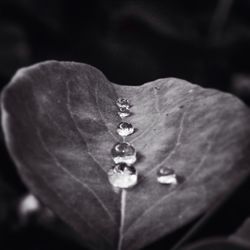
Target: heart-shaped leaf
pixel 60 121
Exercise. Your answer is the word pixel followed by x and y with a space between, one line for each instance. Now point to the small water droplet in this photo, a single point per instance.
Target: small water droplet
pixel 123 176
pixel 123 103
pixel 124 112
pixel 125 129
pixel 28 205
pixel 166 176
pixel 124 153
pixel 123 109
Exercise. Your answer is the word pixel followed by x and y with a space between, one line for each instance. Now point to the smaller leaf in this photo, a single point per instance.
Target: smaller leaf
pixel 217 244
pixel 242 235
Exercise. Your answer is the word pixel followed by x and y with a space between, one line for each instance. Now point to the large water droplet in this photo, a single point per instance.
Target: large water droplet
pixel 123 153
pixel 123 176
pixel 125 129
pixel 123 103
pixel 166 176
pixel 124 112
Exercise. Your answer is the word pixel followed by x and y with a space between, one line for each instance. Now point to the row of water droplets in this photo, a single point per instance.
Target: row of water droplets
pixel 123 174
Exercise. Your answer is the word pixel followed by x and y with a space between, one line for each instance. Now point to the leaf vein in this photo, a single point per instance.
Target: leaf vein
pixel 157 109
pixel 100 113
pixel 176 145
pixel 44 146
pixel 79 132
pixel 68 105
pixel 203 159
pixel 122 219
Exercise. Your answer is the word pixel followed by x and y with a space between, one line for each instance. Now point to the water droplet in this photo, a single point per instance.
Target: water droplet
pixel 123 103
pixel 124 112
pixel 166 176
pixel 125 129
pixel 123 176
pixel 123 109
pixel 123 153
pixel 28 205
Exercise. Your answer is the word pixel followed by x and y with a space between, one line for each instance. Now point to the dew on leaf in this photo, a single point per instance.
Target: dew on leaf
pixel 124 129
pixel 123 153
pixel 123 176
pixel 166 175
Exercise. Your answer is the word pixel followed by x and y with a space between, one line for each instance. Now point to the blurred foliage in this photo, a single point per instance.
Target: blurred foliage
pixel 132 42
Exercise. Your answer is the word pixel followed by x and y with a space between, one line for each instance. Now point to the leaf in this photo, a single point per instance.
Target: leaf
pixel 242 235
pixel 217 244
pixel 237 241
pixel 59 120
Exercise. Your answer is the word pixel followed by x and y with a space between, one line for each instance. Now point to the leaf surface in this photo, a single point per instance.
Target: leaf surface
pixel 59 121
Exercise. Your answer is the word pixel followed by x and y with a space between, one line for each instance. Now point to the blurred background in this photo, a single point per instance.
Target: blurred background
pixel 132 42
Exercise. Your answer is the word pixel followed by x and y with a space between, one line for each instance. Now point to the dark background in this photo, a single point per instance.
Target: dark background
pixel 132 42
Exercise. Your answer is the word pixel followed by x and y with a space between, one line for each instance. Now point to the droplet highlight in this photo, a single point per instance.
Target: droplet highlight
pixel 166 176
pixel 28 205
pixel 124 129
pixel 124 112
pixel 123 176
pixel 123 152
pixel 123 103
